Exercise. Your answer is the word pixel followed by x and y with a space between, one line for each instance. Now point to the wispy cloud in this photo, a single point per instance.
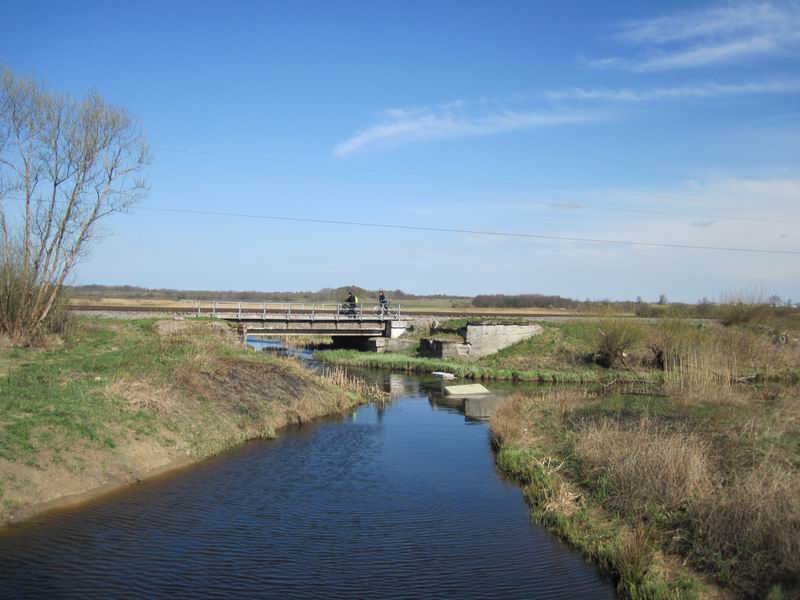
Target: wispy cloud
pixel 487 116
pixel 720 34
pixel 401 126
pixel 703 90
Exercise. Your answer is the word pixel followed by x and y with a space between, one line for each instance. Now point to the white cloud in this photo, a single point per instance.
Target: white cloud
pixel 399 126
pixel 704 90
pixel 731 31
pixel 725 19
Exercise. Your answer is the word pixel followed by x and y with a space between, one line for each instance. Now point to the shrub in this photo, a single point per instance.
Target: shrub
pixel 615 338
pixel 17 294
pixel 736 308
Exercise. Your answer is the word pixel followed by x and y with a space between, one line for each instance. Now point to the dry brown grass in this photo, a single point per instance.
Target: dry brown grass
pixel 712 471
pixel 708 363
pixel 755 522
pixel 644 464
pixel 309 342
pixel 144 395
pixel 511 422
pixel 344 380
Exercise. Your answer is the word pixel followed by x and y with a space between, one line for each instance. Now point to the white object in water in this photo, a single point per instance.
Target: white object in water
pixel 472 389
pixel 443 375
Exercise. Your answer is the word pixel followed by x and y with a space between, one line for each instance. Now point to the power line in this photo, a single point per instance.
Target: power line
pixel 555 206
pixel 453 230
pixel 453 177
pixel 464 231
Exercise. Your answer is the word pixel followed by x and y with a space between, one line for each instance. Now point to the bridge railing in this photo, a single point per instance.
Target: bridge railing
pixel 358 310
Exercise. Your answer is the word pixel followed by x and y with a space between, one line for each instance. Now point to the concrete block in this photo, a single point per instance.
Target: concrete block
pixel 488 339
pixel 395 329
pixel 443 375
pixel 396 345
pixel 465 390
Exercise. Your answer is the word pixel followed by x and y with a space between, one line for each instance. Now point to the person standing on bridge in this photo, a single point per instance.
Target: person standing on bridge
pixel 384 303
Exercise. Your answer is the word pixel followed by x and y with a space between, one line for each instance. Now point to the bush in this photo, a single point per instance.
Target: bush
pixel 615 338
pixel 737 308
pixel 17 293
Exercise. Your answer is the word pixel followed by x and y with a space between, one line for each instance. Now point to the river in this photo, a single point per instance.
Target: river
pixel 395 502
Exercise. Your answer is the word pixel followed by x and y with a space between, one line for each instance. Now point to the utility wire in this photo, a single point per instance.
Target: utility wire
pixel 452 177
pixel 567 207
pixel 554 206
pixel 466 231
pixel 452 230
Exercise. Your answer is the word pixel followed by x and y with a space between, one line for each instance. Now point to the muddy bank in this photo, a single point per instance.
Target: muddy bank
pixel 122 401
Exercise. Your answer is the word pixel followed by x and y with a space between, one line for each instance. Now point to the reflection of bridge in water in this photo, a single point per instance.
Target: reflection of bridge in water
pixel 342 320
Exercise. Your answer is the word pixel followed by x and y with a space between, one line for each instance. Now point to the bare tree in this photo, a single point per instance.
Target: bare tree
pixel 67 164
pixel 774 300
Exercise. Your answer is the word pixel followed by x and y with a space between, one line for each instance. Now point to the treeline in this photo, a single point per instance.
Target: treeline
pixel 324 295
pixel 731 307
pixel 524 301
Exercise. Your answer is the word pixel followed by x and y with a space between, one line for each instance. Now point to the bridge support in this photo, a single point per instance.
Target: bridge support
pixel 395 329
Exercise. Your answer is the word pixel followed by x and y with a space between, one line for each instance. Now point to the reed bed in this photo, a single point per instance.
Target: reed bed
pixel 346 381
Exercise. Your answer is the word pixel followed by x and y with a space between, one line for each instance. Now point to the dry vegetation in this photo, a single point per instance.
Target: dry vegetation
pixel 704 466
pixel 346 381
pixel 714 482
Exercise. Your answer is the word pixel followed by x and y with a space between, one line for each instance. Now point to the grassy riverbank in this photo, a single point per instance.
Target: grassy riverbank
pixel 121 399
pixel 604 350
pixel 646 484
pixel 473 370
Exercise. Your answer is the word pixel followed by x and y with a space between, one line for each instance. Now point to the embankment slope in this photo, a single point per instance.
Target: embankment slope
pixel 123 400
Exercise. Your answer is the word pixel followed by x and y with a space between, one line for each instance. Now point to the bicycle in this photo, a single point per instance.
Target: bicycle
pixel 382 310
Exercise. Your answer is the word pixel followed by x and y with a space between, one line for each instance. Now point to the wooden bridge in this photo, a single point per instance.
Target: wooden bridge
pixel 296 318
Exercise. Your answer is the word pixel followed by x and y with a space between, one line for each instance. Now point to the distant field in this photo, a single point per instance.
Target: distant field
pixel 414 307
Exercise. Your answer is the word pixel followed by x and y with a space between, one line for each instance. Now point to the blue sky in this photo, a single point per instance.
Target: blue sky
pixel 675 122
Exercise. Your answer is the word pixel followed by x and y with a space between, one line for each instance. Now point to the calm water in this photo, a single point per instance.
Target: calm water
pixel 396 503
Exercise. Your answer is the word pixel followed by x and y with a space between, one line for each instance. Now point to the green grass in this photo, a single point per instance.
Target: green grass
pixel 57 398
pixel 475 370
pixel 559 345
pixel 118 391
pixel 561 354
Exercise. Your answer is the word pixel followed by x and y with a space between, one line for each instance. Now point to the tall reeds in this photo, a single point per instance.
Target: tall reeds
pixel 341 378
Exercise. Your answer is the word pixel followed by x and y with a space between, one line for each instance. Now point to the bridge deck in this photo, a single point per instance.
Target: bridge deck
pixel 296 311
pixel 302 319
